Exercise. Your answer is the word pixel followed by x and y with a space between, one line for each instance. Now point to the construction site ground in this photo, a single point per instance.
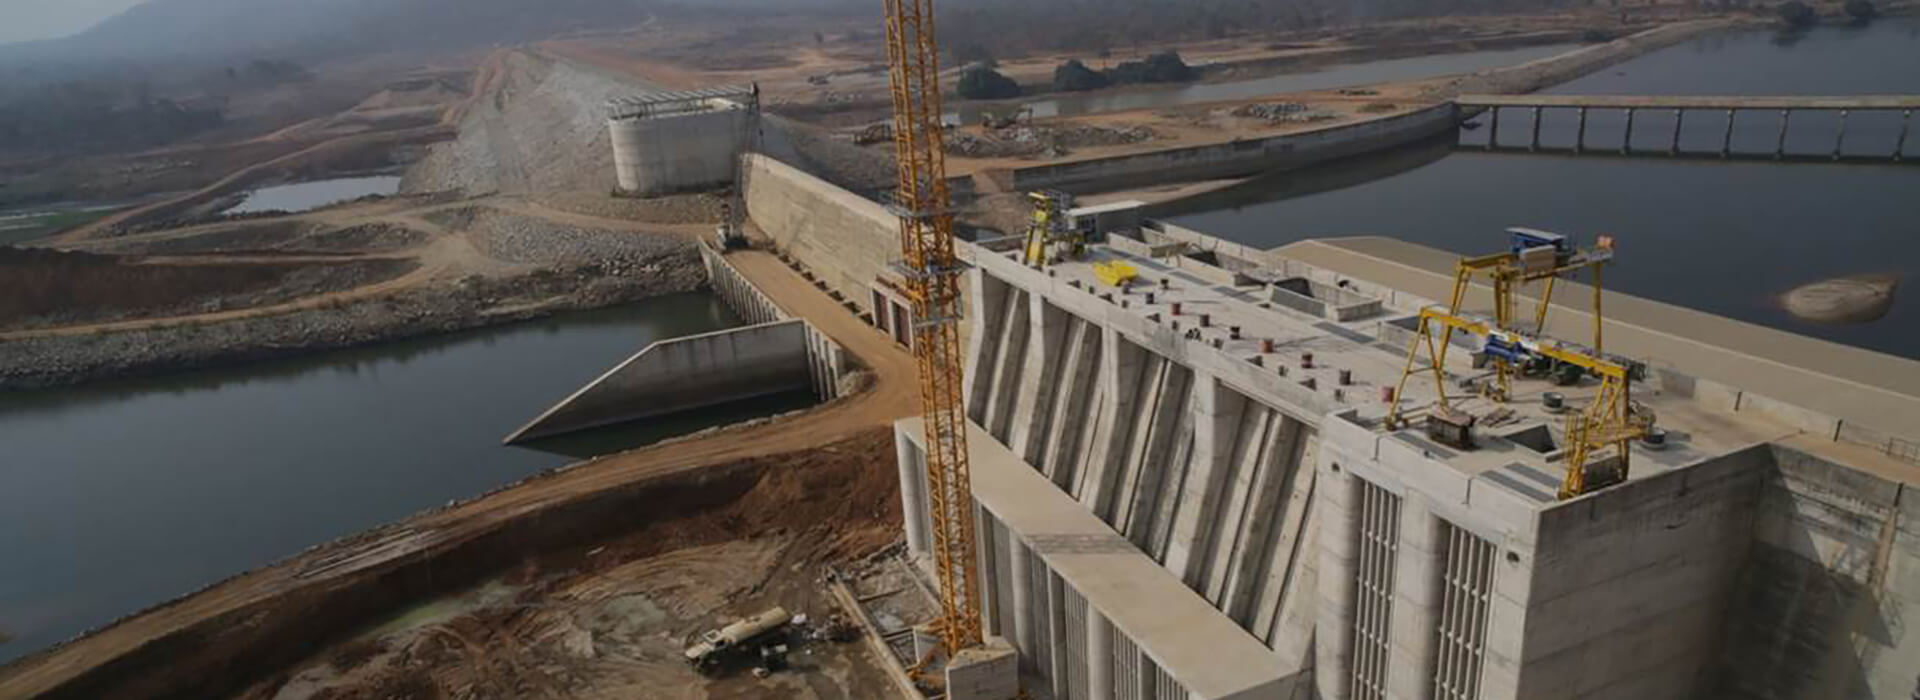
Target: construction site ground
pixel 799 491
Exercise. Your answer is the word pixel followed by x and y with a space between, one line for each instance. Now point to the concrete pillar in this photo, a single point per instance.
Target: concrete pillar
pixel 1900 146
pixel 1580 140
pixel 1120 363
pixel 1840 139
pixel 1493 130
pixel 1534 145
pixel 1780 149
pixel 1215 429
pixel 1726 144
pixel 1062 448
pixel 1020 572
pixel 1099 656
pixel 1339 522
pixel 1057 634
pixel 1626 144
pixel 1679 117
pixel 1039 383
pixel 1419 585
pixel 983 524
pixel 1009 366
pixel 913 493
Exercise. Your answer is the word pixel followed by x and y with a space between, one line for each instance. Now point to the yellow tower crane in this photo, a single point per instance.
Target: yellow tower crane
pixel 932 271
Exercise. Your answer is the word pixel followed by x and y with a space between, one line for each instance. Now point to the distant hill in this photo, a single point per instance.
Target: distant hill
pixel 318 29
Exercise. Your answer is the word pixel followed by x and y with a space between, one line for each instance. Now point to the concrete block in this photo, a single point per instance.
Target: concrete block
pixel 987 672
pixel 1502 509
pixel 1812 421
pixel 1716 396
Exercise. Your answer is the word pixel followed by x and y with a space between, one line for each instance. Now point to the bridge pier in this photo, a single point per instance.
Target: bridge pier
pixel 1780 150
pixel 1840 139
pixel 1534 145
pixel 1626 144
pixel 1679 117
pixel 1726 144
pixel 1493 131
pixel 1580 141
pixel 1900 146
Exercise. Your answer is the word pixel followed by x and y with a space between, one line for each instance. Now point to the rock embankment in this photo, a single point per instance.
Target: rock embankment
pixel 468 303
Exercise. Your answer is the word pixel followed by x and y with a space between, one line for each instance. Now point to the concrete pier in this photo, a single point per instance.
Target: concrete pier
pixel 1682 104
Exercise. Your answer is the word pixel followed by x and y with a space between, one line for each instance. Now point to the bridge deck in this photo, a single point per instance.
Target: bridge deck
pixel 1854 102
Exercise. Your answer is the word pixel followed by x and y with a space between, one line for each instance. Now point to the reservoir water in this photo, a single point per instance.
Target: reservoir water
pixel 121 495
pixel 1721 236
pixel 301 196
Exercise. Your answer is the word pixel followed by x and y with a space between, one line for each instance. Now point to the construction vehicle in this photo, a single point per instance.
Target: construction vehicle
pixel 1601 435
pixel 933 271
pixel 1051 235
pixel 747 638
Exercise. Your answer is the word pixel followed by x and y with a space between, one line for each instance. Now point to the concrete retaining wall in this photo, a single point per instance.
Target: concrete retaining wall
pixel 687 373
pixel 679 153
pixel 1826 605
pixel 845 240
pixel 1238 158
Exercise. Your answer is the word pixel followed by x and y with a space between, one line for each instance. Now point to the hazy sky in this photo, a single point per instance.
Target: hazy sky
pixel 21 20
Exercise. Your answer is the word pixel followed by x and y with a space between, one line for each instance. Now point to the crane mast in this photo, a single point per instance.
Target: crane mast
pixel 932 272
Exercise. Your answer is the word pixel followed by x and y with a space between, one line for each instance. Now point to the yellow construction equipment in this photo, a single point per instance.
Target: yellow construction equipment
pixel 1610 422
pixel 1051 235
pixel 933 273
pixel 1532 256
pixel 1116 273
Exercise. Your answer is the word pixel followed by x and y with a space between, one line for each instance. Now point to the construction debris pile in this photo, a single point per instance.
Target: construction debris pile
pixel 1284 113
pixel 1027 141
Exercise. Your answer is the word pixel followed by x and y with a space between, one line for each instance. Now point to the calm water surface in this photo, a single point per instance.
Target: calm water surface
pixel 1720 236
pixel 302 196
pixel 118 496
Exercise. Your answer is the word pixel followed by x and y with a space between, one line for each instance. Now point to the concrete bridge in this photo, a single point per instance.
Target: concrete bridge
pixel 1680 105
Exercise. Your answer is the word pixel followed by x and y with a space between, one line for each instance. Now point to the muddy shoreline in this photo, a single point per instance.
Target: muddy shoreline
pixel 64 361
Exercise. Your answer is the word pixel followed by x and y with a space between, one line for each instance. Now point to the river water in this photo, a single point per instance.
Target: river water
pixel 1721 236
pixel 302 196
pixel 121 495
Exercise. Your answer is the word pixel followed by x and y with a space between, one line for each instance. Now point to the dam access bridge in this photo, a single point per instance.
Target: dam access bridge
pixel 1681 105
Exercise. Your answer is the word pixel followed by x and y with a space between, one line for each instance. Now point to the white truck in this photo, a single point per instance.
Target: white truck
pixel 743 636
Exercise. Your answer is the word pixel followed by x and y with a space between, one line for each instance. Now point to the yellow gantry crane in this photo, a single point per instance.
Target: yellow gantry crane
pixel 1051 234
pixel 933 271
pixel 1608 424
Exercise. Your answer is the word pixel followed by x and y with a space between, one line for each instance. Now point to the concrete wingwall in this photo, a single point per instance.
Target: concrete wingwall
pixel 1243 157
pixel 687 373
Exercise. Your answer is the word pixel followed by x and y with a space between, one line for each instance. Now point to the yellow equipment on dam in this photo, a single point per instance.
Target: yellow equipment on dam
pixel 1610 422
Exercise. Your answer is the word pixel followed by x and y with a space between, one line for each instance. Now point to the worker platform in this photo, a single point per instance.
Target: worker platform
pixel 1223 414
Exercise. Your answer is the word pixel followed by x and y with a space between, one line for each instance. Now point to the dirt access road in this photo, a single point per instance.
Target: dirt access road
pixel 891 396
